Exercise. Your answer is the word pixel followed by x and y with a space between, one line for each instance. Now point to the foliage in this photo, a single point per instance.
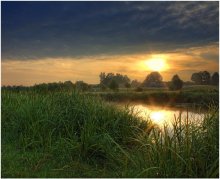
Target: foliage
pixel 70 135
pixel 127 85
pixel 215 79
pixel 195 95
pixel 82 86
pixel 139 89
pixel 201 78
pixel 113 85
pixel 176 83
pixel 135 83
pixel 154 79
pixel 103 87
pixel 106 79
pixel 68 85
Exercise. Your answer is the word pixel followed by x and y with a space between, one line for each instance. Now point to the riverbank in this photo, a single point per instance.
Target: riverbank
pixel 169 98
pixel 76 135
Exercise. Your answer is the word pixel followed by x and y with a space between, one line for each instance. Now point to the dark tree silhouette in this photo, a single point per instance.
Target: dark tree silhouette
pixel 113 85
pixel 176 83
pixel 135 83
pixel 201 78
pixel 103 87
pixel 206 78
pixel 197 78
pixel 154 79
pixel 82 86
pixel 105 79
pixel 127 85
pixel 102 77
pixel 68 85
pixel 215 79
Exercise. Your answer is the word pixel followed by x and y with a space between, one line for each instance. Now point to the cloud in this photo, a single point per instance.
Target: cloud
pixel 33 30
pixel 184 62
pixel 194 14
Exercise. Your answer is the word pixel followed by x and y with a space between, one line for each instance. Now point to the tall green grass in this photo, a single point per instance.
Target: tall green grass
pixel 75 135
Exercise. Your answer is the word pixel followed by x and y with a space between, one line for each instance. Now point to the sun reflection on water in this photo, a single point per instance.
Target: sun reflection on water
pixel 165 116
pixel 157 117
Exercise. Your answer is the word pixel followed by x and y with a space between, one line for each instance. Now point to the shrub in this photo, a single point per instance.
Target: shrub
pixel 139 89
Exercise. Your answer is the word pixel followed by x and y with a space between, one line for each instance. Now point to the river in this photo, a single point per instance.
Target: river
pixel 162 115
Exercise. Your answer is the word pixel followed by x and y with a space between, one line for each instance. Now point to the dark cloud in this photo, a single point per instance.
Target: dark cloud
pixel 210 56
pixel 67 29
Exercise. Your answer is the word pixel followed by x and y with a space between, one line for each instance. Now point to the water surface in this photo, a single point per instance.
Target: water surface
pixel 162 115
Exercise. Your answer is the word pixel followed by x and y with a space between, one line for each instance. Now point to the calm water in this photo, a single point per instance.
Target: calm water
pixel 161 115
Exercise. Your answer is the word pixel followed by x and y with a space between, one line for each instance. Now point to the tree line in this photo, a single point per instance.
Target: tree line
pixel 55 86
pixel 116 81
pixel 155 79
pixel 204 78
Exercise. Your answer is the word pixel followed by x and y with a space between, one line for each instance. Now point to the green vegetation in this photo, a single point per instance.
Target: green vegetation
pixel 200 94
pixel 176 83
pixel 69 134
pixel 154 79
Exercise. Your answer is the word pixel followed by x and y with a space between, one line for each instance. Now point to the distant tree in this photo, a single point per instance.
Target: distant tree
pixel 82 86
pixel 127 85
pixel 215 79
pixel 197 78
pixel 154 79
pixel 102 77
pixel 201 78
pixel 103 87
pixel 105 79
pixel 113 85
pixel 176 83
pixel 135 83
pixel 68 85
pixel 206 78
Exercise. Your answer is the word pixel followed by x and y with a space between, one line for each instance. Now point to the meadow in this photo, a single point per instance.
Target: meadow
pixel 72 134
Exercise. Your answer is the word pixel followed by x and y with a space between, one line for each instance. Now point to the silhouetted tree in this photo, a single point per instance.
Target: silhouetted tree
pixel 82 86
pixel 102 77
pixel 127 85
pixel 113 85
pixel 197 78
pixel 105 79
pixel 201 78
pixel 68 85
pixel 215 78
pixel 154 79
pixel 206 78
pixel 135 83
pixel 176 83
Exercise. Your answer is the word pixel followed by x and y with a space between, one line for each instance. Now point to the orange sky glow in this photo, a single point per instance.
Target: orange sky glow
pixel 183 62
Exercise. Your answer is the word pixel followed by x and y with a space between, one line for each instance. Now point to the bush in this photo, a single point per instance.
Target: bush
pixel 139 89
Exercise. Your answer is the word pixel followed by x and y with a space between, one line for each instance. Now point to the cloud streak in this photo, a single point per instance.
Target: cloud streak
pixel 88 68
pixel 32 30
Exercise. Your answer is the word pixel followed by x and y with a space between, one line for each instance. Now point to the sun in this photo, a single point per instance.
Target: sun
pixel 156 64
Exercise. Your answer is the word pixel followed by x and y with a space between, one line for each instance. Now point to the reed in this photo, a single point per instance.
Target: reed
pixel 75 135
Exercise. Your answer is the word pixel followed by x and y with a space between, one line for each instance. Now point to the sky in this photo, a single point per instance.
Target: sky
pixel 60 41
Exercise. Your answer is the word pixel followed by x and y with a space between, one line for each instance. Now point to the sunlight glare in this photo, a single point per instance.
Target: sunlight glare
pixel 157 117
pixel 156 63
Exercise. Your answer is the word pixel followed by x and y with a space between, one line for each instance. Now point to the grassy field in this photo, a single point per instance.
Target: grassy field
pixel 77 135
